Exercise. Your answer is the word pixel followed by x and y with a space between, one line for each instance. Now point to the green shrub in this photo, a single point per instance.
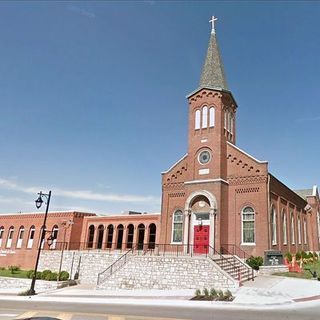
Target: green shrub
pixel 64 275
pixel 298 256
pixel 30 274
pixel 53 276
pixel 213 292
pixel 220 294
pixel 255 262
pixel 304 255
pixel 206 292
pixel 227 295
pixel 14 269
pixel 315 255
pixel 2 268
pixel 288 255
pixel 197 293
pixel 45 274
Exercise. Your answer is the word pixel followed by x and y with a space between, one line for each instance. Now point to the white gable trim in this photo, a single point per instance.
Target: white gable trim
pixel 314 190
pixel 206 181
pixel 163 172
pixel 247 154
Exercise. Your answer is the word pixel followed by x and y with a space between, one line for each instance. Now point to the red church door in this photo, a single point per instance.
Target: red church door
pixel 201 239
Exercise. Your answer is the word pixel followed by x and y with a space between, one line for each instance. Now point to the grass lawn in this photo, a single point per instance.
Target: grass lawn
pixel 305 274
pixel 16 274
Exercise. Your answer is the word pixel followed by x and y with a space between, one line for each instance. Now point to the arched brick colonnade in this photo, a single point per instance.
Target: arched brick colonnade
pixel 121 232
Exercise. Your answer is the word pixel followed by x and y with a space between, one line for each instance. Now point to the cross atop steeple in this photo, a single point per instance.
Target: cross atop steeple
pixel 212 73
pixel 213 19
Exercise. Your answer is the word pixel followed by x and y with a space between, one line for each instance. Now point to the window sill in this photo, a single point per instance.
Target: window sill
pixel 176 243
pixel 248 244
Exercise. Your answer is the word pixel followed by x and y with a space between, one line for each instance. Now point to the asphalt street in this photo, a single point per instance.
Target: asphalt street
pixel 10 310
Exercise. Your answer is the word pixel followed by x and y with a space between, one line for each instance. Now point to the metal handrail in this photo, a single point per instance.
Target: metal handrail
pixel 120 262
pixel 249 269
pixel 225 260
pixel 235 250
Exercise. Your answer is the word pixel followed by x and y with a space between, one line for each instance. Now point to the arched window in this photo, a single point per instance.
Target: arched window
pixel 152 236
pixel 293 236
pixel 204 117
pixel 299 230
pixel 284 227
pixel 232 124
pixel 1 235
pixel 90 237
pixel 110 236
pixel 141 232
pixel 20 237
pixel 305 237
pixel 100 236
pixel 318 226
pixel 211 117
pixel 31 237
pixel 177 223
pixel 54 234
pixel 225 119
pixel 130 236
pixel 248 228
pixel 10 237
pixel 229 121
pixel 273 226
pixel 43 231
pixel 119 236
pixel 197 120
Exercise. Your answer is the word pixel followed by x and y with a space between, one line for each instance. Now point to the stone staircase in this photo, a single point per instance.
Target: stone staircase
pixel 166 273
pixel 172 270
pixel 234 266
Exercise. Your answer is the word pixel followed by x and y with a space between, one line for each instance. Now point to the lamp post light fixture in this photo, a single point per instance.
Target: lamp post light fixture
pixel 39 203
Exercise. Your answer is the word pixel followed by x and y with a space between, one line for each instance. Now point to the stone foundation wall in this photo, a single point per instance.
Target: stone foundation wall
pixel 169 273
pixel 24 284
pixel 268 270
pixel 87 263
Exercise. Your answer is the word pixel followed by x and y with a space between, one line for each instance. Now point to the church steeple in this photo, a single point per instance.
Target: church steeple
pixel 212 75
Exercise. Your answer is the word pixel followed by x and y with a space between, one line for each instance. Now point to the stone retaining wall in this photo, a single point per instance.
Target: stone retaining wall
pixel 87 263
pixel 268 270
pixel 145 272
pixel 169 273
pixel 24 284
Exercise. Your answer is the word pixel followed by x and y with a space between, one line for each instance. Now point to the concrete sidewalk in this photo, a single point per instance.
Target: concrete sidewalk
pixel 265 291
pixel 277 290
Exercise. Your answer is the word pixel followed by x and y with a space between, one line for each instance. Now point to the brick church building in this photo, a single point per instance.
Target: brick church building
pixel 216 196
pixel 220 196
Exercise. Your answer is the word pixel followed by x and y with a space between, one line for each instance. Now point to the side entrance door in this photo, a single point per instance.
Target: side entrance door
pixel 201 239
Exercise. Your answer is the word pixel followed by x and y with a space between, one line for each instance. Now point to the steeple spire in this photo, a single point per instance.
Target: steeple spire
pixel 212 75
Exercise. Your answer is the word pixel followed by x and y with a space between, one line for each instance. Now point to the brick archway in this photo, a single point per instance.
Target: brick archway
pixel 190 217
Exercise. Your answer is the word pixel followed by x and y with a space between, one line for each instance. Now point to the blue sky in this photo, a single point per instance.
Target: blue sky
pixel 92 95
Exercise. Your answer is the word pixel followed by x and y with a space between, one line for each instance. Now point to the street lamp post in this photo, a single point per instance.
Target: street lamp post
pixel 39 203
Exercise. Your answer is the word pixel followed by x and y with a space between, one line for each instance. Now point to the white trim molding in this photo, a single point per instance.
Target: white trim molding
pixel 247 154
pixel 163 172
pixel 206 181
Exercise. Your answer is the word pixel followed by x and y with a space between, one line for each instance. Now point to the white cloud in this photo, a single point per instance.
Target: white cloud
pixel 82 12
pixel 316 118
pixel 80 194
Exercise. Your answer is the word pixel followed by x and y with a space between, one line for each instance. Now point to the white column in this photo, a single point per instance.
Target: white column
pixel 186 230
pixel 212 226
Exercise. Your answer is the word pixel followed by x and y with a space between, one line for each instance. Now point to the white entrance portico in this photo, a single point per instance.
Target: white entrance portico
pixel 200 209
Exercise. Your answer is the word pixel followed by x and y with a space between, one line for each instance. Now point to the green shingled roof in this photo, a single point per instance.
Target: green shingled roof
pixel 213 73
pixel 304 193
